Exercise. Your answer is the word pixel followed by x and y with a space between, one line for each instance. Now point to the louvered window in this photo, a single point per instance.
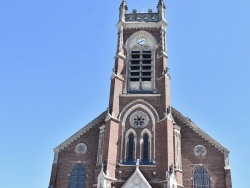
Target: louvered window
pixel 140 66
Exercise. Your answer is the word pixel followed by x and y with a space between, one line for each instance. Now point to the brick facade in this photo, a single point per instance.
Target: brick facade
pixel 159 146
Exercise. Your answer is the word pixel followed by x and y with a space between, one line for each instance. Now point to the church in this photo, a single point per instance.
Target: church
pixel 141 140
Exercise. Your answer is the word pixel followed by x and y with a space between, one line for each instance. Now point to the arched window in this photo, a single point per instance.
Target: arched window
pixel 131 147
pixel 140 65
pixel 78 177
pixel 145 157
pixel 140 70
pixel 201 178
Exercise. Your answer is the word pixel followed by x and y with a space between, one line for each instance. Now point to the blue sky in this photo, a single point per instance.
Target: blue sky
pixel 56 59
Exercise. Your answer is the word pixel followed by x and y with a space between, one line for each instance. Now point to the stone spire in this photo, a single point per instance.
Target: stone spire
pixel 123 9
pixel 161 9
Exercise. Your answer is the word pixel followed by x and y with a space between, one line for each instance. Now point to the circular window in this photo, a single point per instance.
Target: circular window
pixel 139 119
pixel 200 150
pixel 81 149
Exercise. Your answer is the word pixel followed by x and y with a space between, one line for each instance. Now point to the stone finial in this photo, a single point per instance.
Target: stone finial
pixel 123 8
pixel 161 9
pixel 137 163
pixel 124 5
pixel 161 3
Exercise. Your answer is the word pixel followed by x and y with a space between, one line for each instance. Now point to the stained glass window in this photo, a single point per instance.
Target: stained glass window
pixel 78 177
pixel 201 178
pixel 131 147
pixel 145 148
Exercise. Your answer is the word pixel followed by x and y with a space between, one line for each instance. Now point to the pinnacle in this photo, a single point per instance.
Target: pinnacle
pixel 161 3
pixel 124 5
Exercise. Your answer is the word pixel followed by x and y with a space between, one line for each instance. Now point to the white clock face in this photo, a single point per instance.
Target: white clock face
pixel 141 41
pixel 139 119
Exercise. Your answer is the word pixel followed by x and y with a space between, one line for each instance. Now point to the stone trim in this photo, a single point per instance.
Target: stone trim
pixel 142 25
pixel 126 144
pixel 133 179
pixel 141 165
pixel 80 132
pixel 177 114
pixel 142 104
pixel 142 142
pixel 139 95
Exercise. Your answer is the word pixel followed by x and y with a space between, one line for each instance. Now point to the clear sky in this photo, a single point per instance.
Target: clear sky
pixel 56 59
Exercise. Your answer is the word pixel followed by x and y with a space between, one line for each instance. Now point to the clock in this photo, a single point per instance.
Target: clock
pixel 141 41
pixel 139 119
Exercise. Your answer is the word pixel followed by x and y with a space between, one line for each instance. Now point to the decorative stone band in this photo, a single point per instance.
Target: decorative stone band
pixel 226 159
pixel 142 17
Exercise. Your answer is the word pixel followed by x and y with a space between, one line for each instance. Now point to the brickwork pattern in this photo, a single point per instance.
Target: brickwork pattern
pixel 68 158
pixel 213 161
pixel 162 142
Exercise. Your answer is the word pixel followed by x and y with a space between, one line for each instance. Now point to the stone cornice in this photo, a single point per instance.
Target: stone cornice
pixel 141 25
pixel 139 95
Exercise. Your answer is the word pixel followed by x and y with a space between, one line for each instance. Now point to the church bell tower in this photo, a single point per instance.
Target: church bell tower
pixel 140 141
pixel 139 115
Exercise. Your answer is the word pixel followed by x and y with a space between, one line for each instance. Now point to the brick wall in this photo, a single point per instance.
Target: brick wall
pixel 68 158
pixel 213 161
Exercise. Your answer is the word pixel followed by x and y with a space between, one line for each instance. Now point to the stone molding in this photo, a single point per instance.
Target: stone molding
pixel 81 132
pixel 137 180
pixel 193 126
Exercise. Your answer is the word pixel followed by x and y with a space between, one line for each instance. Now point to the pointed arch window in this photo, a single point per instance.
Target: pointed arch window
pixel 78 177
pixel 131 147
pixel 201 178
pixel 145 148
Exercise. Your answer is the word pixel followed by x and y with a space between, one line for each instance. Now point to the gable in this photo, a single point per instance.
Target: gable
pixel 195 128
pixel 136 180
pixel 83 130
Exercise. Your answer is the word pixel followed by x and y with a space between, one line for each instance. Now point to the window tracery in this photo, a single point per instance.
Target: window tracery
pixel 78 177
pixel 145 147
pixel 130 147
pixel 201 178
